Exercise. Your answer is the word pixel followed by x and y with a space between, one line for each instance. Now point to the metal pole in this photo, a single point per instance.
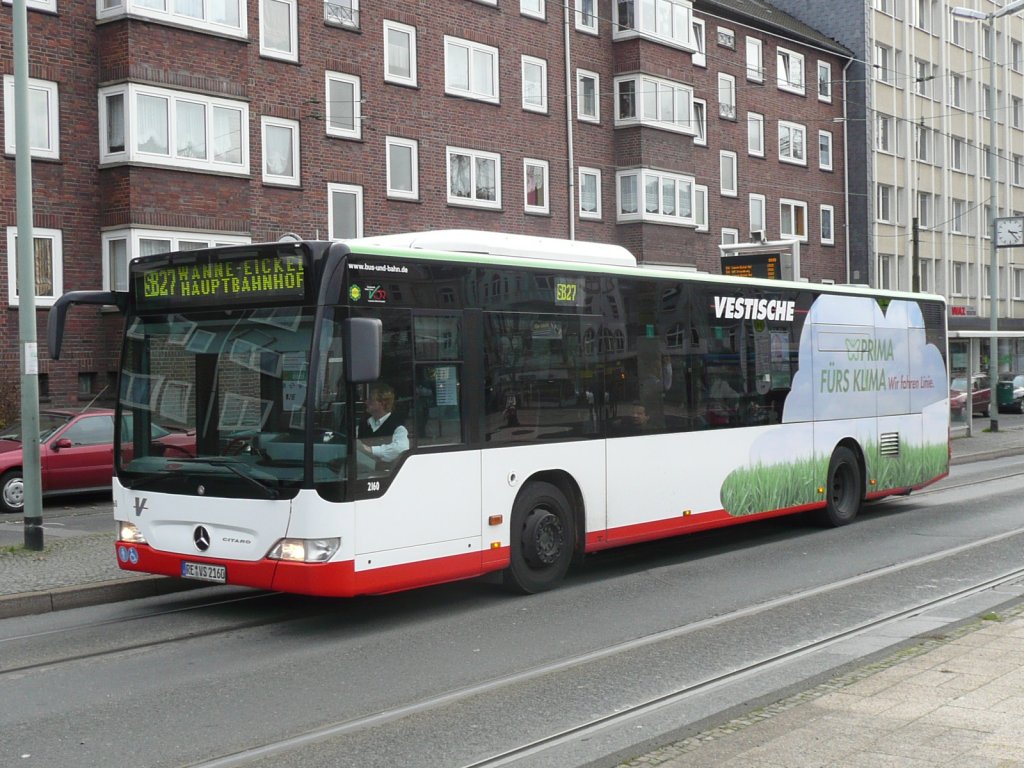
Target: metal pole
pixel 993 277
pixel 26 288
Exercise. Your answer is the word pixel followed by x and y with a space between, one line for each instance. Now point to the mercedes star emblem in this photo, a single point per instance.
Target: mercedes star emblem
pixel 201 537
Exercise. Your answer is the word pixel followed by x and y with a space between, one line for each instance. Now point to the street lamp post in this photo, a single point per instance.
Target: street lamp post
pixel 993 213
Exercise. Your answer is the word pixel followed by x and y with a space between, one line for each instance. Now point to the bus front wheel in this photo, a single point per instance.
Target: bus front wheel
pixel 542 539
pixel 844 488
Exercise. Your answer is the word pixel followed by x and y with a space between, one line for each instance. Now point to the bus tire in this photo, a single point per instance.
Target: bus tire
pixel 542 538
pixel 12 492
pixel 844 489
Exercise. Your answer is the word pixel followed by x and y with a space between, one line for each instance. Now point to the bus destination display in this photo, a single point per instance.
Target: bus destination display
pixel 764 265
pixel 249 279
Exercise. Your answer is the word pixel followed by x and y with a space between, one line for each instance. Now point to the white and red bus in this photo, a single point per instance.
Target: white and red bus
pixel 556 398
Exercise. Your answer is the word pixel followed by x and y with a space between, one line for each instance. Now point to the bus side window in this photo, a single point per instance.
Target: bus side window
pixel 438 416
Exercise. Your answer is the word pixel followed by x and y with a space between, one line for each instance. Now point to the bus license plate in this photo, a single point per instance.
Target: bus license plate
pixel 204 572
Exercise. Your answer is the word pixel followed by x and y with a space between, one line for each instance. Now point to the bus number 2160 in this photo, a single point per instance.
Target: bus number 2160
pixel 373 486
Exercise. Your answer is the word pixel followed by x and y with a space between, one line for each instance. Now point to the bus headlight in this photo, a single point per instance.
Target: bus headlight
pixel 129 532
pixel 305 550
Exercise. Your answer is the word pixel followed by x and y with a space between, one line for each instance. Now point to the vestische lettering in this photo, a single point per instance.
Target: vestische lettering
pixel 740 308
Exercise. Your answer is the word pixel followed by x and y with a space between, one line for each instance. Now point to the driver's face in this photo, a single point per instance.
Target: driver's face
pixel 375 407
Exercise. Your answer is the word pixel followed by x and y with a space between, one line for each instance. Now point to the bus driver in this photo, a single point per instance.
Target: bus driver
pixel 382 434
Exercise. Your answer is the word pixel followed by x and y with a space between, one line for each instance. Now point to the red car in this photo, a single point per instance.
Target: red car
pixel 76 453
pixel 981 395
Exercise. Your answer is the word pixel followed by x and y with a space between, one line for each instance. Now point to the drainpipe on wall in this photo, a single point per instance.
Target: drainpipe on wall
pixel 568 126
pixel 846 165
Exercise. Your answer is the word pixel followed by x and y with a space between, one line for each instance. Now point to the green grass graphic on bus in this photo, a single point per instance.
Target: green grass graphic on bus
pixel 866 376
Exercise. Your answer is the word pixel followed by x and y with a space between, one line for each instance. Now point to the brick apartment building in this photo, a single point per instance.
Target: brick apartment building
pixel 171 124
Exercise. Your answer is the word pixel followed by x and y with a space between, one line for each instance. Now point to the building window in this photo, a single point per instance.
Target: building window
pixel 824 81
pixel 885 203
pixel 1018 283
pixel 590 193
pixel 1017 112
pixel 755 60
pixel 792 143
pixel 957 154
pixel 924 209
pixel 1017 170
pixel 588 89
pixel 586 16
pixel 121 246
pixel 344 211
pixel 757 219
pixel 958 279
pixel 699 56
pixel 793 219
pixel 727 96
pixel 280 151
pixel 534 8
pixel 43 118
pixel 399 53
pixel 342 13
pixel 402 159
pixel 652 101
pixel 535 186
pixel 728 173
pixel 278 29
pixel 48 260
pixel 474 178
pixel 222 17
pixel 923 143
pixel 957 90
pixel 825 150
pixel 667 198
pixel 535 84
pixel 790 76
pixel 173 128
pixel 666 21
pixel 755 134
pixel 726 38
pixel 729 236
pixel 700 122
pixel 884 271
pixel 470 69
pixel 958 216
pixel 884 133
pixel 344 106
pixel 828 233
pixel 923 78
pixel 884 71
pixel 925 272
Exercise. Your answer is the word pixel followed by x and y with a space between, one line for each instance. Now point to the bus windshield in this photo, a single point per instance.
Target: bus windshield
pixel 230 389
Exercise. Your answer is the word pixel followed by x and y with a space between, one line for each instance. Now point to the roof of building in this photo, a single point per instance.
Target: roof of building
pixel 764 15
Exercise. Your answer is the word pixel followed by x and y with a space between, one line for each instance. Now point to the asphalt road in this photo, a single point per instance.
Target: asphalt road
pixel 181 679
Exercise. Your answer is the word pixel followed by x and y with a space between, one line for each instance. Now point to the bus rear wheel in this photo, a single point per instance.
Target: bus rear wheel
pixel 844 488
pixel 542 539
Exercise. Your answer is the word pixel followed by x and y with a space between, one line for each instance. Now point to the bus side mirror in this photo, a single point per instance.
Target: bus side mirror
pixel 361 337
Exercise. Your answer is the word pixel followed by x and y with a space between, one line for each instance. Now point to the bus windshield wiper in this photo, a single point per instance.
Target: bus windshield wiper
pixel 229 464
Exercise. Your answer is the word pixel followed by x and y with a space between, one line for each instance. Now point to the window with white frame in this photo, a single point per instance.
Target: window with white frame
pixel 793 219
pixel 48 261
pixel 958 31
pixel 174 128
pixel 726 38
pixel 344 211
pixel 884 134
pixel 792 143
pixel 884 67
pixel 470 69
pixel 924 12
pixel 342 13
pixel 43 118
pixel 280 151
pixel 344 106
pixel 923 143
pixel 535 84
pixel 42 5
pixel 223 17
pixel 122 245
pixel 790 74
pixel 755 60
pixel 474 178
pixel 588 90
pixel 657 196
pixel 535 186
pixel 827 216
pixel 728 171
pixel 590 193
pixel 700 207
pixel 957 90
pixel 824 81
pixel 586 16
pixel 825 150
pixel 1017 112
pixel 885 271
pixel 1016 56
pixel 925 275
pixel 958 216
pixel 534 8
pixel 1018 283
pixel 399 53
pixel 699 57
pixel 1017 170
pixel 645 100
pixel 885 203
pixel 758 223
pixel 279 37
pixel 700 122
pixel 402 160
pixel 755 134
pixel 925 214
pixel 957 278
pixel 729 236
pixel 957 154
pixel 726 96
pixel 667 21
